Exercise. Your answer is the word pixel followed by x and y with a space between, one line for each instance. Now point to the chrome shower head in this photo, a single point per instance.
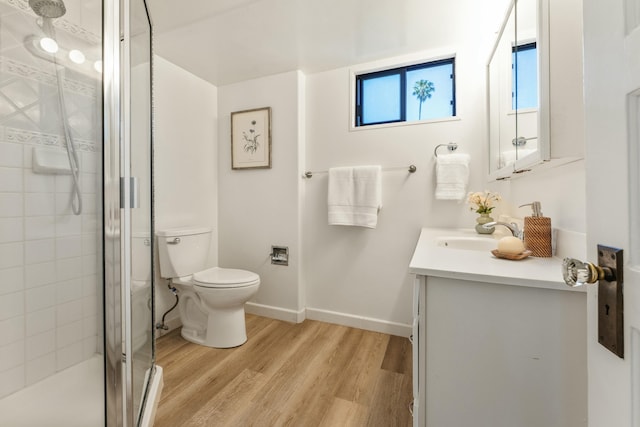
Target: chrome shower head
pixel 48 8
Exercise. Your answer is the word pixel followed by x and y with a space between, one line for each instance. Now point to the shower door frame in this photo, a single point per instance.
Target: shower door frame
pixel 119 199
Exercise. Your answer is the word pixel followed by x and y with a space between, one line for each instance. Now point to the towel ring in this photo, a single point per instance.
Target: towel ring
pixel 452 146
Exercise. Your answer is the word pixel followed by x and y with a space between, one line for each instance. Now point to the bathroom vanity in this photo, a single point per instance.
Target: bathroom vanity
pixel 496 342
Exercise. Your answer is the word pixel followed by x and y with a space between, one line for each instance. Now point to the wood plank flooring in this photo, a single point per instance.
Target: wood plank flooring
pixel 307 374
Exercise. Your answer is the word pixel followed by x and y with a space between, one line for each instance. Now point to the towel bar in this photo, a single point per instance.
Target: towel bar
pixel 452 146
pixel 412 169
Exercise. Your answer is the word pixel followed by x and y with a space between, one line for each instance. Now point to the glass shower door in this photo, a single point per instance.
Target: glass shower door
pixel 140 151
pixel 128 213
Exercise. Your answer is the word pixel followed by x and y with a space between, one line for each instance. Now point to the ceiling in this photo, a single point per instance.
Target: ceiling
pixel 227 41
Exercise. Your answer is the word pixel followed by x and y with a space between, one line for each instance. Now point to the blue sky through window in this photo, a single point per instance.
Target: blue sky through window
pixel 382 100
pixel 525 73
pixel 439 105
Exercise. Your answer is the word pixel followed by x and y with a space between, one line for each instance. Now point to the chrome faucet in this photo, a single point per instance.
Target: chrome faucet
pixel 513 227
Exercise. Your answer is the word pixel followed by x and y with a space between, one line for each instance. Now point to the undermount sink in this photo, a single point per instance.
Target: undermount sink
pixel 468 243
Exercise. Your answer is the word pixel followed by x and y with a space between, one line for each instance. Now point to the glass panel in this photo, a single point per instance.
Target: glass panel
pixel 141 220
pixel 51 287
pixel 381 99
pixel 525 77
pixel 430 92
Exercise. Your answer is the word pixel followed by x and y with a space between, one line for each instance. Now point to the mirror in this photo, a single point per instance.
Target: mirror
pixel 518 88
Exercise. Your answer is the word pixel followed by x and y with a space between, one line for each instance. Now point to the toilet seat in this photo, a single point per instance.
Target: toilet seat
pixel 217 277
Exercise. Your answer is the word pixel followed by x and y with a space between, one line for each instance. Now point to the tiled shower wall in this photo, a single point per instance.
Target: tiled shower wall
pixel 50 274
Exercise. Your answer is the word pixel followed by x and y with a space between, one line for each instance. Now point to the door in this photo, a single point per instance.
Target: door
pixel 612 117
pixel 128 211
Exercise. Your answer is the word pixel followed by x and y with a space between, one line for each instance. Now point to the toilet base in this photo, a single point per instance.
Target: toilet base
pixel 225 329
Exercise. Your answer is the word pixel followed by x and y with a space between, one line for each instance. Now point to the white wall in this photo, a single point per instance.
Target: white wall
pixel 261 207
pixel 346 274
pixel 360 276
pixel 185 159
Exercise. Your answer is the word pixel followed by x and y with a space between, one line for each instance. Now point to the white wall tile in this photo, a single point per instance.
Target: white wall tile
pixel 11 255
pixel 89 346
pixel 69 290
pixel 89 224
pixel 89 285
pixel 11 355
pixel 39 204
pixel 11 230
pixel 69 268
pixel 69 225
pixel 11 204
pixel 89 161
pixel 40 344
pixel 27 157
pixel 11 280
pixel 89 204
pixel 11 381
pixel 10 155
pixel 38 251
pixel 40 227
pixel 11 330
pixel 89 244
pixel 88 183
pixel 68 247
pixel 63 203
pixel 90 326
pixel 68 334
pixel 69 312
pixel 90 305
pixel 41 298
pixel 38 183
pixel 40 368
pixel 11 180
pixel 41 321
pixel 89 265
pixel 11 305
pixel 63 183
pixel 37 275
pixel 69 356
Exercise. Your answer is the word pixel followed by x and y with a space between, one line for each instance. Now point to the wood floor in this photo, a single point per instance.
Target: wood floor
pixel 307 374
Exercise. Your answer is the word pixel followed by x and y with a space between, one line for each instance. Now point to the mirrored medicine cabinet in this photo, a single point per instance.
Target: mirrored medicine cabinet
pixel 518 90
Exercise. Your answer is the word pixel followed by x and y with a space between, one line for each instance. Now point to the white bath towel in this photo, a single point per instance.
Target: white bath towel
pixel 355 195
pixel 452 176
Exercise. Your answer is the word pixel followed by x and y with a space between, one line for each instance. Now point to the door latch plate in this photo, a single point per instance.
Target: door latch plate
pixel 610 301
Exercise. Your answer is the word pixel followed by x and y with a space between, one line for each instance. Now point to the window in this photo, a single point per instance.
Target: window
pixel 524 65
pixel 417 92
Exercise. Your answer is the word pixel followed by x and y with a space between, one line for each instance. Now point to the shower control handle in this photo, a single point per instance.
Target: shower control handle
pixel 174 241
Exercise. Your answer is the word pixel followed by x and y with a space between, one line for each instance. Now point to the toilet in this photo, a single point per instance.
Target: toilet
pixel 212 300
pixel 140 290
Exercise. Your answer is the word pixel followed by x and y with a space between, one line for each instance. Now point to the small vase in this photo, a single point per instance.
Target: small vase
pixel 481 220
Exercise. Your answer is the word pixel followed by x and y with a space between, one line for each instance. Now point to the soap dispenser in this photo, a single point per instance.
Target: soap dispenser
pixel 537 232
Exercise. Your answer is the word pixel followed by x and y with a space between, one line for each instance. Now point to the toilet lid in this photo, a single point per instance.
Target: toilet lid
pixel 225 277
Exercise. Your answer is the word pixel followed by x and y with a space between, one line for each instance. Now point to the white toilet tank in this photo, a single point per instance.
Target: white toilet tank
pixel 183 251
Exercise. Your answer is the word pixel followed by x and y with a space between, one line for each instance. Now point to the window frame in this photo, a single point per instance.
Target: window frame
pixel 360 76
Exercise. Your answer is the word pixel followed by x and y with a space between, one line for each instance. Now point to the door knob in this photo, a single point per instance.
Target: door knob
pixel 578 273
pixel 609 275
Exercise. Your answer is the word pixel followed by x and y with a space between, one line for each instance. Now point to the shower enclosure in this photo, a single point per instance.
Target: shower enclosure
pixel 76 291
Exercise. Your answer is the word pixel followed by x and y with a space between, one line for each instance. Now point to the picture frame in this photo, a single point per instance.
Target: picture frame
pixel 251 139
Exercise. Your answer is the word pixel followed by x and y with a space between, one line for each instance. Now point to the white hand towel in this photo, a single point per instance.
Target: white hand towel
pixel 355 196
pixel 452 176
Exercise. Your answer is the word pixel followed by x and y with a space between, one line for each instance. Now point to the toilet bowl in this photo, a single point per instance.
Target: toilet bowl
pixel 212 300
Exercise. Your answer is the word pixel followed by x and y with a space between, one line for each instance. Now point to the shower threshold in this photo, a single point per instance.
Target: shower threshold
pixel 73 397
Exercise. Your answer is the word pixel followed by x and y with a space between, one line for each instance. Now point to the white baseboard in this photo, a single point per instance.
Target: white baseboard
pixel 272 312
pixel 360 322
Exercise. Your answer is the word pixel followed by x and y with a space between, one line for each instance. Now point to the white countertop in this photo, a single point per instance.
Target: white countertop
pixel 429 259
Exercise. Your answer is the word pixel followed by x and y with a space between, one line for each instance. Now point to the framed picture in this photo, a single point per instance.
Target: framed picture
pixel 251 139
